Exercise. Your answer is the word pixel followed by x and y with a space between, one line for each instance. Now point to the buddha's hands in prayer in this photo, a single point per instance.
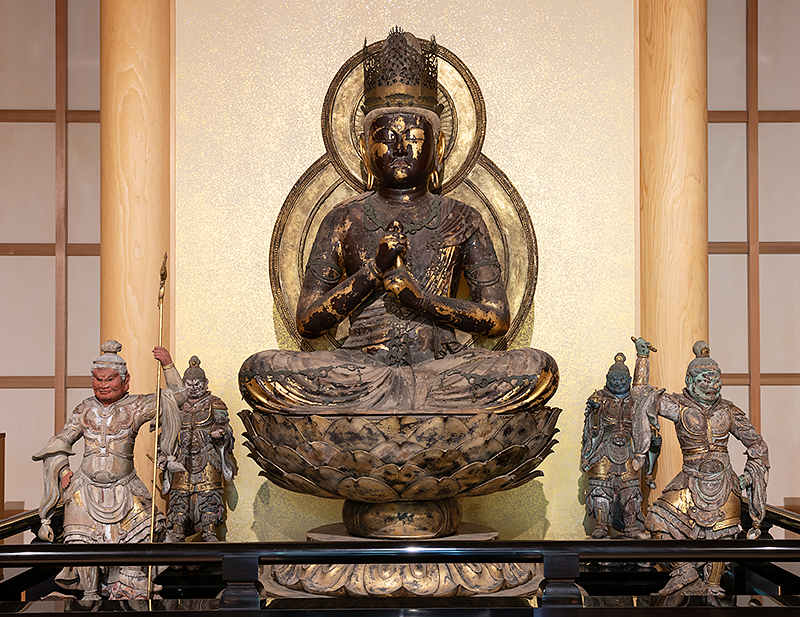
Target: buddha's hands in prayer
pixel 391 249
pixel 401 284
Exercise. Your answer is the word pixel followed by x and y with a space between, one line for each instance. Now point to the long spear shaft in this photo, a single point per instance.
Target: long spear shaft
pixel 157 420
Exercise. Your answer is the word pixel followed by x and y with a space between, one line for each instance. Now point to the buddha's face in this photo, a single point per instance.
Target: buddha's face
pixel 618 383
pixel 108 385
pixel 705 387
pixel 196 387
pixel 402 149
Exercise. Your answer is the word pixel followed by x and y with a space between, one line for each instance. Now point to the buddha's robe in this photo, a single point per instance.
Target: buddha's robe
pixel 396 360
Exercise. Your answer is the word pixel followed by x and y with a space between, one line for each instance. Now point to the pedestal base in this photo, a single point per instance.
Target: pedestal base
pixel 402 520
pixel 400 580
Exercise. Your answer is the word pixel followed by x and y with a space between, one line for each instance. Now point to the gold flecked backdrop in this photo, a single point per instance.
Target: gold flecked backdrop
pixel 558 81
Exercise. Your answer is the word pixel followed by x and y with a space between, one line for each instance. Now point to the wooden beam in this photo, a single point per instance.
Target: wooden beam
pixel 674 194
pixel 727 116
pixel 42 382
pixel 727 248
pixel 778 115
pixel 49 249
pixel 753 283
pixel 48 115
pixel 764 248
pixel 779 248
pixel 61 225
pixel 81 116
pixel 767 379
pixel 134 186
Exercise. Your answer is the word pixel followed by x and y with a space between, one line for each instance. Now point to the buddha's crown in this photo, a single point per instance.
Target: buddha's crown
pixel 401 74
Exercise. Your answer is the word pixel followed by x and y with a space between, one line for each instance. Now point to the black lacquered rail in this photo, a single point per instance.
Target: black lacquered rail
pixel 391 552
pixel 240 561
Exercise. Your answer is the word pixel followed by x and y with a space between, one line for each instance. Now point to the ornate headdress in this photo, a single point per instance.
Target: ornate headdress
pixel 110 358
pixel 702 361
pixel 401 74
pixel 194 371
pixel 619 365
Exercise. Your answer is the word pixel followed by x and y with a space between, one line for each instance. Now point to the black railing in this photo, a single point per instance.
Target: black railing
pixel 240 561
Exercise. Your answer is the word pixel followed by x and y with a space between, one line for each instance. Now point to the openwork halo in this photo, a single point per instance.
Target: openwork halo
pixel 463 118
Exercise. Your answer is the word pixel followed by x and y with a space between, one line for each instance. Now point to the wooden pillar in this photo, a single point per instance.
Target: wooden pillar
pixel 674 194
pixel 135 171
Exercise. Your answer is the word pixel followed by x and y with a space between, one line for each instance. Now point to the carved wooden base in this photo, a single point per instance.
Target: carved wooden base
pixel 400 580
pixel 402 520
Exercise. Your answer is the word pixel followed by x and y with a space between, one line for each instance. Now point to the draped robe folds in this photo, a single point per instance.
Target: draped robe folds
pixel 703 500
pixel 395 360
pixel 106 502
pixel 615 432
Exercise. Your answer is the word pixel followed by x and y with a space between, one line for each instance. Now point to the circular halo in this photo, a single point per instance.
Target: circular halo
pixel 463 118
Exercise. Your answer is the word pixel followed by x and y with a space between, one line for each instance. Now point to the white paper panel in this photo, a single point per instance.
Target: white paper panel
pixel 727 309
pixel 727 183
pixel 83 340
pixel 778 53
pixel 27 182
pixel 780 313
pixel 27 54
pixel 779 182
pixel 83 40
pixel 726 54
pixel 27 315
pixel 84 183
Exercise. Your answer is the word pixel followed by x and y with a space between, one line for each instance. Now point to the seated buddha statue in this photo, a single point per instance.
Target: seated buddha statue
pixel 391 261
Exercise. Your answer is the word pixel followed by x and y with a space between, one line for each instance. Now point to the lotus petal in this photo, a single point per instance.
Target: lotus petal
pixel 398 428
pixel 483 424
pixel 288 460
pixel 317 452
pixel 280 431
pixel 392 452
pixel 432 488
pixel 440 432
pixel 358 463
pixel 313 428
pixel 260 444
pixel 506 460
pixel 526 479
pixel 299 484
pixel 244 415
pixel 480 449
pixel 386 451
pixel 354 434
pixel 518 429
pixel 326 477
pixel 411 473
pixel 494 485
pixel 398 478
pixel 367 489
pixel 439 463
pixel 256 418
pixel 549 416
pixel 269 469
pixel 388 474
pixel 525 469
pixel 538 442
pixel 472 475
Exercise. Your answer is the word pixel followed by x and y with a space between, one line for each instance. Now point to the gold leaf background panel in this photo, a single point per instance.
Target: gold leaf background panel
pixel 558 82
